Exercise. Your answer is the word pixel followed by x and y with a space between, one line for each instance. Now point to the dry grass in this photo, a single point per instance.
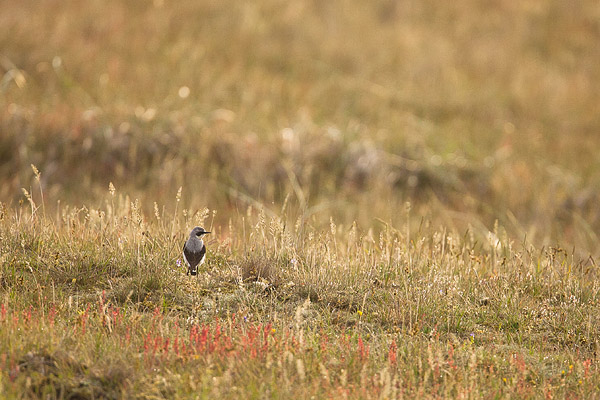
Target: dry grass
pixel 96 304
pixel 473 113
pixel 405 199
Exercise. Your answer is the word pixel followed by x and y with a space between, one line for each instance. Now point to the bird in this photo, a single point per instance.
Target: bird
pixel 194 250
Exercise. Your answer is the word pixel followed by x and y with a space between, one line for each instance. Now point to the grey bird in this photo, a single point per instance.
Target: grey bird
pixel 194 250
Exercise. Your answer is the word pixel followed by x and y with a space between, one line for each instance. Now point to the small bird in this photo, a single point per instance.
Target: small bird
pixel 194 250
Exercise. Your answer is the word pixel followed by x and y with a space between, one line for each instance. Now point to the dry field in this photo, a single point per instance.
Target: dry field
pixel 403 197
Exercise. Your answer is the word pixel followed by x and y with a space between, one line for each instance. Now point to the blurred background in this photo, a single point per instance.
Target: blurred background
pixel 472 111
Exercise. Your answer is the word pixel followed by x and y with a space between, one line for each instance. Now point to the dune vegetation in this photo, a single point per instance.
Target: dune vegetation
pixel 402 198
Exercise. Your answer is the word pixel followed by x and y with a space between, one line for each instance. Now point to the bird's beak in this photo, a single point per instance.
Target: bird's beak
pixel 206 232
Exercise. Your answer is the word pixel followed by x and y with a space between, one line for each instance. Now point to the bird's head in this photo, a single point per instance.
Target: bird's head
pixel 198 231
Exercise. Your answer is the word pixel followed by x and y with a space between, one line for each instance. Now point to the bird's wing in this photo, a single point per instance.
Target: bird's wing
pixel 202 253
pixel 185 255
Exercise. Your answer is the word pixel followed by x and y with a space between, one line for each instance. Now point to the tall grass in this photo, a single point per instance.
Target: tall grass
pixel 473 113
